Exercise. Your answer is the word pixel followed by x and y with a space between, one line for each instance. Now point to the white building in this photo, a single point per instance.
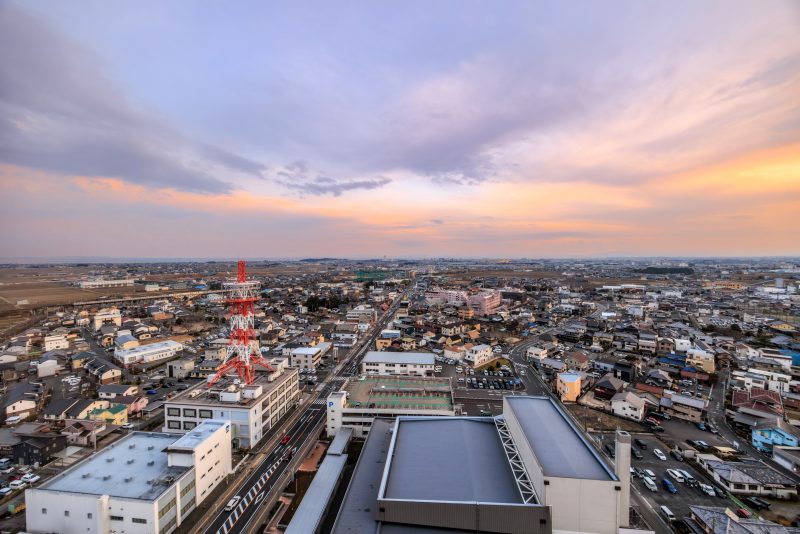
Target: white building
pixel 478 355
pixel 628 405
pixel 106 316
pixel 363 399
pixel 148 353
pixel 55 341
pixel 536 353
pixel 145 483
pixel 362 314
pixel 252 409
pixel 101 282
pixel 398 363
pixel 308 357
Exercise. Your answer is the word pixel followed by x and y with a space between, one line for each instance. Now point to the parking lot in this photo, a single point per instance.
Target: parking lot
pixel 678 502
pixel 475 400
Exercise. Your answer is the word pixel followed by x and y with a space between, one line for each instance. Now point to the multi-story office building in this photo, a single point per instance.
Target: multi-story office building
pixel 363 399
pixel 101 282
pixel 147 482
pixel 398 363
pixel 252 409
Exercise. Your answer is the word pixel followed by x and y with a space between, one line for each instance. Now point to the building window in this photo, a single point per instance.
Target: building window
pixel 44 511
pixel 66 513
pixel 116 518
pixel 188 425
pixel 89 515
pixel 139 520
pixel 205 414
pixel 167 507
pixel 174 424
pixel 189 412
pixel 187 488
pixel 174 411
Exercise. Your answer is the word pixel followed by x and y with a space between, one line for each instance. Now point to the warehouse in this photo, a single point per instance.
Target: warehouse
pixel 148 353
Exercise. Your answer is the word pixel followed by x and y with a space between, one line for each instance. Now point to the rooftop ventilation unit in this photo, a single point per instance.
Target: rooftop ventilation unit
pixel 109 460
pixel 132 445
pixel 130 461
pixel 107 477
pixel 151 462
pixel 128 479
pixel 85 475
pixel 150 447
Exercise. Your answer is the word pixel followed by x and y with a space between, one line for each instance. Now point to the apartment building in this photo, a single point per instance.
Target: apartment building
pixel 106 316
pixel 55 342
pixel 251 409
pixel 478 355
pixel 146 482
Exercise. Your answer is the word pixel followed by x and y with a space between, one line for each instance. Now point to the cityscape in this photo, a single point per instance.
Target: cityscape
pixel 399 268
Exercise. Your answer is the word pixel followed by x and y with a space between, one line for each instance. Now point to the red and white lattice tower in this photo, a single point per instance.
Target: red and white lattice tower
pixel 243 350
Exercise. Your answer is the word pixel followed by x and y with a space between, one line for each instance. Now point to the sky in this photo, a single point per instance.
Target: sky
pixel 402 129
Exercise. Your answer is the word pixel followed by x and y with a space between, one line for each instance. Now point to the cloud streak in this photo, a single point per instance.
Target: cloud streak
pixel 59 113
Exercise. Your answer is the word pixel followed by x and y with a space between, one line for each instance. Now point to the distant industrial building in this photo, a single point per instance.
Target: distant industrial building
pixel 151 353
pixel 146 482
pixel 483 474
pixel 398 363
pixel 363 399
pixel 252 409
pixel 101 282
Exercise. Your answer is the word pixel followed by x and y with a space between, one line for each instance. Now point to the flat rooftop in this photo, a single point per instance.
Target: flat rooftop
pixel 190 440
pixel 135 467
pixel 201 394
pixel 560 447
pixel 400 392
pixel 414 358
pixel 463 461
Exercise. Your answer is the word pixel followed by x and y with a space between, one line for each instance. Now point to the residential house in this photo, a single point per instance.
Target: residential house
pixel 577 360
pixel 748 478
pixel 607 387
pixel 82 433
pixel 628 405
pixel 767 433
pixel 683 407
pixel 115 414
pixel 568 385
pixel 110 391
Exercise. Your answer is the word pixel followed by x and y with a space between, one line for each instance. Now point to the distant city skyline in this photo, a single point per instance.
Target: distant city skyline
pixel 410 130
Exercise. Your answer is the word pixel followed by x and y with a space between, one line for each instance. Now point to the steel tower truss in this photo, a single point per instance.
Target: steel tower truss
pixel 243 350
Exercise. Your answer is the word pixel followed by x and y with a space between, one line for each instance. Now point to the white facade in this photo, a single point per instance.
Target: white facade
pixel 398 363
pixel 56 341
pixel 536 353
pixel 106 316
pixel 305 357
pixel 252 410
pixel 100 282
pixel 148 353
pixel 478 355
pixel 143 484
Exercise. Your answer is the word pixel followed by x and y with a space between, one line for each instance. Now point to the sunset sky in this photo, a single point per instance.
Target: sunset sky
pixel 406 129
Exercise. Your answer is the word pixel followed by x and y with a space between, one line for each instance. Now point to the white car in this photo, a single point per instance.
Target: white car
pixel 660 455
pixel 674 473
pixel 5 491
pixel 649 474
pixel 31 478
pixel 232 503
pixel 707 489
pixel 16 484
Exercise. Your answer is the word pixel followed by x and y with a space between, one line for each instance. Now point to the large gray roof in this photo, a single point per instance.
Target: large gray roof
pixel 559 446
pixel 123 469
pixel 450 459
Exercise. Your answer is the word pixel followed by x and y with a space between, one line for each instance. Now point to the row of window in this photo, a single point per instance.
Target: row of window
pixel 187 488
pixel 167 507
pixel 190 412
pixel 176 425
pixel 166 528
pixel 133 519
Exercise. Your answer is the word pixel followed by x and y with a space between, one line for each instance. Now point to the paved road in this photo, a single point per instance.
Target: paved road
pixel 271 474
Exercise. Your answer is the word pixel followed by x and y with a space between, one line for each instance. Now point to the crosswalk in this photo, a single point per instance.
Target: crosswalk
pixel 318 402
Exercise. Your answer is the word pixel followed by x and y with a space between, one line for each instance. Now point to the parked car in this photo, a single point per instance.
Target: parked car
pixel 636 454
pixel 676 454
pixel 708 490
pixel 609 449
pixel 660 455
pixel 744 514
pixel 5 491
pixel 640 443
pixel 650 484
pixel 674 473
pixel 669 486
pixel 16 484
pixel 701 425
pixel 31 478
pixel 649 473
pixel 655 429
pixel 152 392
pixel 128 426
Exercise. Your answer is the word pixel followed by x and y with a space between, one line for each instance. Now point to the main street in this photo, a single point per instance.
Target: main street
pixel 272 471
